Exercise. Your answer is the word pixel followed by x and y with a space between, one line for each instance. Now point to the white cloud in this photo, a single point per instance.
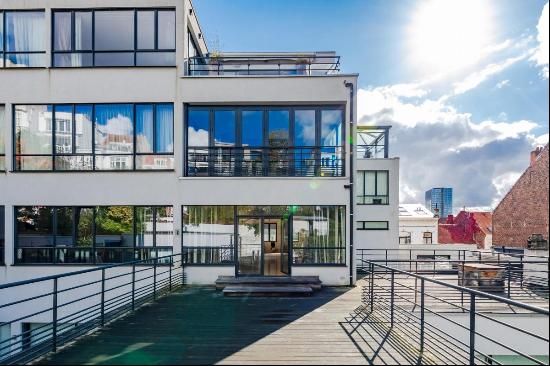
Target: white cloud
pixel 541 55
pixel 503 183
pixel 442 146
pixel 502 84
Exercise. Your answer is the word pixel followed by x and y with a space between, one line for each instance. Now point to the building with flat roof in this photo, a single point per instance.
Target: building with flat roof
pixel 440 199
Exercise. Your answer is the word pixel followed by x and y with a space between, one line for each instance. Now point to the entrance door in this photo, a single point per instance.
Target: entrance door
pixel 249 246
pixel 263 246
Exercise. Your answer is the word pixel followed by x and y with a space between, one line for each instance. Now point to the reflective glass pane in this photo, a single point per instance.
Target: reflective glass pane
pixel 114 162
pixel 114 128
pixel 144 128
pixel 144 227
pixel 304 128
pixel 250 246
pixel 155 162
pixel 33 129
pixel 370 183
pixel 198 127
pixel 1 34
pixel 25 60
pixel 63 129
pixel 33 163
pixel 278 128
pixel 146 30
pixel 73 60
pixel 84 217
pixel 252 128
pixel 164 138
pixel 114 30
pixel 82 30
pixel 166 29
pixel 83 129
pixel 34 226
pixel 64 229
pixel 156 59
pixel 331 127
pixel 114 59
pixel 164 228
pixel 382 183
pixel 25 31
pixel 74 162
pixel 224 128
pixel 114 226
pixel 62 31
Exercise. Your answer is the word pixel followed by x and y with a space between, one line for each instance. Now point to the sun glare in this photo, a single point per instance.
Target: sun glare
pixel 446 35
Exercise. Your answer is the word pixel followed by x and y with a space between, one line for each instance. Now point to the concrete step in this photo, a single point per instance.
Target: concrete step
pixel 267 281
pixel 267 291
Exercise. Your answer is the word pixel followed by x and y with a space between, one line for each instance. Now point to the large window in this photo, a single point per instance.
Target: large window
pixel 373 225
pixel 265 141
pixel 208 234
pixel 319 235
pixel 2 138
pixel 84 137
pixel 373 187
pixel 89 235
pixel 124 37
pixel 22 42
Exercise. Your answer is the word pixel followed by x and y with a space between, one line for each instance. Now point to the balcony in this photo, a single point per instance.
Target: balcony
pixel 326 161
pixel 265 64
pixel 373 142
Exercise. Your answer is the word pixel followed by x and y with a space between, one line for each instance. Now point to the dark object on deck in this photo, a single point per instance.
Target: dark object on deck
pixel 537 242
pixel 268 291
pixel 268 286
pixel 482 277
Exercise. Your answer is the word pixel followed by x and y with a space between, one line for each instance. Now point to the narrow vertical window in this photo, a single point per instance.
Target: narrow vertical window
pixel 114 137
pixel 33 137
pixel 25 44
pixel 2 137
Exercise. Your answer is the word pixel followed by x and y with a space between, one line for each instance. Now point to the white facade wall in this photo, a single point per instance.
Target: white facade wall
pixel 379 239
pixel 416 227
pixel 171 85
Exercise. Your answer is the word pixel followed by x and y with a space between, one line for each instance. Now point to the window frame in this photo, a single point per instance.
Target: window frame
pixel 425 237
pixel 136 50
pixel 3 127
pixel 362 196
pixel 361 226
pixel 94 154
pixel 293 149
pixel 93 249
pixel 4 52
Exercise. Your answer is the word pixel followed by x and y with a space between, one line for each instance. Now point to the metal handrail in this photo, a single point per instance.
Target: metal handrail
pixel 391 298
pixel 71 316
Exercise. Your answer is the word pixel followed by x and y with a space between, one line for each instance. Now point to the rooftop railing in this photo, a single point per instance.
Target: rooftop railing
pixel 275 65
pixel 373 142
pixel 55 310
pixel 429 320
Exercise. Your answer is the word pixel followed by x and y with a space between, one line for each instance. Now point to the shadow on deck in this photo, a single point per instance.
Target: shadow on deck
pixel 193 326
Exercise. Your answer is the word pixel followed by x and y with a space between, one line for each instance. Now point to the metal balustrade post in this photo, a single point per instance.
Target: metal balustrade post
pixel 103 297
pixel 170 276
pixel 155 280
pixel 462 284
pixel 54 316
pixel 521 273
pixel 392 298
pixel 509 267
pixel 133 287
pixel 472 328
pixel 372 287
pixel 422 314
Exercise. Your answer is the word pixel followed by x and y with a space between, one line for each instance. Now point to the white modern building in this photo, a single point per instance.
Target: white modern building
pixel 122 138
pixel 417 225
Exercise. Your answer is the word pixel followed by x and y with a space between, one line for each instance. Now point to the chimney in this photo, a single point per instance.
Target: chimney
pixel 436 212
pixel 535 154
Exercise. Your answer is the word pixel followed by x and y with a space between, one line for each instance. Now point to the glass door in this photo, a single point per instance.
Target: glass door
pixel 249 249
pixel 285 247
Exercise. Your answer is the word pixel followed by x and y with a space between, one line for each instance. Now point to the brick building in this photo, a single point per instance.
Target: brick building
pixel 467 228
pixel 524 210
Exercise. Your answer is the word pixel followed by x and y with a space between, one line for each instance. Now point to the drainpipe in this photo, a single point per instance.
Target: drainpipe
pixel 351 179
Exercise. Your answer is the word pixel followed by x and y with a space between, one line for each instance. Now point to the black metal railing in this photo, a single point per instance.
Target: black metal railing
pixel 88 255
pixel 449 323
pixel 265 161
pixel 264 65
pixel 208 255
pixel 373 142
pixel 55 310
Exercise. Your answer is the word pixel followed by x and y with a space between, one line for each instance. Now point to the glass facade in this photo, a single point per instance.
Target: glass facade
pixel 440 199
pixel 224 235
pixel 22 40
pixel 85 137
pixel 265 141
pixel 92 235
pixel 373 187
pixel 125 37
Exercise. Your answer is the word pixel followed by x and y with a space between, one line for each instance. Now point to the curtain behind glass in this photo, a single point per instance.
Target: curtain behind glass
pixel 25 32
pixel 2 129
pixel 62 31
pixel 144 128
pixel 165 128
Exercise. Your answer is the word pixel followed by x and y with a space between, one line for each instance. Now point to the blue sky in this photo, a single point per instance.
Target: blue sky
pixel 464 83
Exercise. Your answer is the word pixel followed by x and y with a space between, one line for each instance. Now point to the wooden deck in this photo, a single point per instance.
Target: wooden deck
pixel 201 326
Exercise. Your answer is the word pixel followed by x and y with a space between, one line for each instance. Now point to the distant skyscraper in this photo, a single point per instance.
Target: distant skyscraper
pixel 442 199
